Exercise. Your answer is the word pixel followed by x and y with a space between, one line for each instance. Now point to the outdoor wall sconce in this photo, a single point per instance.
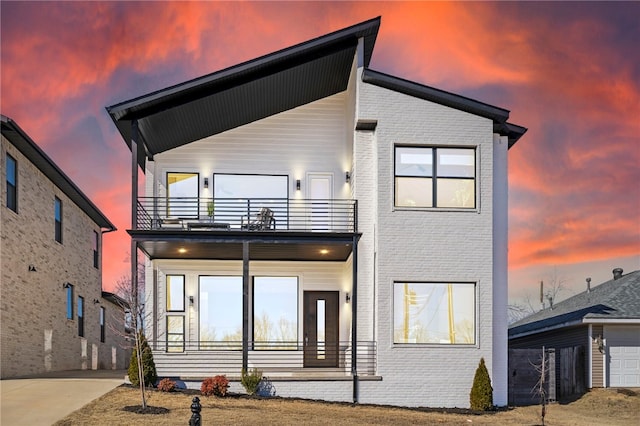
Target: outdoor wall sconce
pixel 96 301
pixel 297 184
pixel 32 268
pixel 191 300
pixel 347 298
pixel 347 177
pixel 206 182
pixel 66 285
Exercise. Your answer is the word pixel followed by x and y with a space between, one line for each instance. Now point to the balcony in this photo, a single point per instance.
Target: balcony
pixel 215 229
pixel 209 214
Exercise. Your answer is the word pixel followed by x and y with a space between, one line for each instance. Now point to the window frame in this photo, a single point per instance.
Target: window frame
pixel 12 187
pixel 96 250
pixel 70 300
pixel 171 348
pixel 102 317
pixel 57 215
pixel 167 298
pixel 435 176
pixel 474 315
pixel 81 316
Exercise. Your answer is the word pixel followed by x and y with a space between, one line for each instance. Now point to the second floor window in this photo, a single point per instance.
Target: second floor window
pixel 435 177
pixel 102 323
pixel 12 183
pixel 80 316
pixel 69 289
pixel 96 245
pixel 182 194
pixel 58 219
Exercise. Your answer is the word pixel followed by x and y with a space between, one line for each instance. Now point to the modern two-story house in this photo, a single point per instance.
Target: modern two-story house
pixel 54 315
pixel 341 229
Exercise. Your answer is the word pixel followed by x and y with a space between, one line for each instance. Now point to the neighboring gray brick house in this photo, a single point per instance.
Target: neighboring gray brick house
pixel 339 228
pixel 54 314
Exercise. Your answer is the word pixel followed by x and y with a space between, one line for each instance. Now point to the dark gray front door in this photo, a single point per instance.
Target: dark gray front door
pixel 321 328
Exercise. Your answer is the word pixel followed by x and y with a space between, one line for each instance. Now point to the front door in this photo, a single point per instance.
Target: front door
pixel 321 328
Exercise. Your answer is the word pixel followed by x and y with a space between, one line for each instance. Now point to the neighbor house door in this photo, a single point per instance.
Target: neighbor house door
pixel 321 328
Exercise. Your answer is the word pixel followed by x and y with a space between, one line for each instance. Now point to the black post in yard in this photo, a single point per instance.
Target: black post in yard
pixel 195 419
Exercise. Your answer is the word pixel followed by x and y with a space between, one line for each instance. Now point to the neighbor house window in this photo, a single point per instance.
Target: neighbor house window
pixel 220 312
pixel 12 183
pixel 175 293
pixel 96 245
pixel 435 177
pixel 58 219
pixel 69 289
pixel 275 312
pixel 102 323
pixel 182 194
pixel 437 313
pixel 80 316
pixel 175 333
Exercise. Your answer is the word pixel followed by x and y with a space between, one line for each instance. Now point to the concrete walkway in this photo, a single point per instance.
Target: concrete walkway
pixel 47 398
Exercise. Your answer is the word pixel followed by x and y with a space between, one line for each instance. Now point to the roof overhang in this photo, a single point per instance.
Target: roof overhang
pixel 37 156
pixel 244 93
pixel 545 329
pixel 499 116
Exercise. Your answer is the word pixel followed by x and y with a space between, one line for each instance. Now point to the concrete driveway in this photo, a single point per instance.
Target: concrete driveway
pixel 47 398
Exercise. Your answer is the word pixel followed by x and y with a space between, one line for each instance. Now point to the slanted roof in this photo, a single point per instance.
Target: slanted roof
pixel 36 155
pixel 244 93
pixel 613 300
pixel 498 115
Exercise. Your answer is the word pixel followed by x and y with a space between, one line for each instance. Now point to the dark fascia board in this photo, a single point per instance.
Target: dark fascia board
pixel 499 116
pixel 37 156
pixel 172 96
pixel 115 299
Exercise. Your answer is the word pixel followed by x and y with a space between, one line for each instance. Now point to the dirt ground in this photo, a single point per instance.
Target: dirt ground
pixel 598 407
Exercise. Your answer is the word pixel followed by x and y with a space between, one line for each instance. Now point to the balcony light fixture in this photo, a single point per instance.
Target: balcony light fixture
pixel 191 300
pixel 347 177
pixel 347 298
pixel 297 184
pixel 206 182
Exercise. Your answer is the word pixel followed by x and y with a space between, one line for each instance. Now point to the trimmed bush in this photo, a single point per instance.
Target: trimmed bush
pixel 166 385
pixel 251 380
pixel 216 386
pixel 148 366
pixel 481 396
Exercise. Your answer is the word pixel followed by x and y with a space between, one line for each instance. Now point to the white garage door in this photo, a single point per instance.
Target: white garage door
pixel 624 355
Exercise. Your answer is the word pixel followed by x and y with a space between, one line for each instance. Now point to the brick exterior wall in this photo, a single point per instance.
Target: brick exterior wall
pixel 35 334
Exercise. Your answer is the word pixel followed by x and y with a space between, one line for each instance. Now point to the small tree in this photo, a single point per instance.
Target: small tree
pixel 149 374
pixel 481 396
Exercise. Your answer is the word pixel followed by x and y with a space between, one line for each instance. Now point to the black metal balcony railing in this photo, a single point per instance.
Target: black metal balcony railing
pixel 162 213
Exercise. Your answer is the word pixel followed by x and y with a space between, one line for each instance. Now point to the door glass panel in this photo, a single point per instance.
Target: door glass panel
pixel 320 327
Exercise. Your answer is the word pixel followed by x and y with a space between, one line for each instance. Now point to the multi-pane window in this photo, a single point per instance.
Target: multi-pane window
pixel 435 177
pixel 96 245
pixel 275 312
pixel 435 313
pixel 58 219
pixel 175 293
pixel 80 316
pixel 102 323
pixel 220 311
pixel 182 194
pixel 175 333
pixel 12 183
pixel 69 289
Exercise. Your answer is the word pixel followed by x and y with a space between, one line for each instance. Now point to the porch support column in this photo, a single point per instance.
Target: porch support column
pixel 134 221
pixel 354 318
pixel 245 305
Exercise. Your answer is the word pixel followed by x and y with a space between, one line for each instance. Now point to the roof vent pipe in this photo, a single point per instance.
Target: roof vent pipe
pixel 617 273
pixel 588 285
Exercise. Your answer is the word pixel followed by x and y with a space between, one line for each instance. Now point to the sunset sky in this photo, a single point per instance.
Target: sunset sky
pixel 569 72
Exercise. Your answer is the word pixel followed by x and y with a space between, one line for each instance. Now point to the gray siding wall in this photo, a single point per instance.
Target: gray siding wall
pixel 35 334
pixel 597 358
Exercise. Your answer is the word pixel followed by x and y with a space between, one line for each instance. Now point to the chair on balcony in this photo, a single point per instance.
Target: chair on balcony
pixel 264 220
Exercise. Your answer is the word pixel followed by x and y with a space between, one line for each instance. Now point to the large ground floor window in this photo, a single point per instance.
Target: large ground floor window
pixel 275 312
pixel 434 313
pixel 220 311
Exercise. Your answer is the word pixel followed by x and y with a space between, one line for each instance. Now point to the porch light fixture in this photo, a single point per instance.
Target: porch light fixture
pixel 347 298
pixel 324 251
pixel 182 250
pixel 191 300
pixel 347 177
pixel 297 184
pixel 206 182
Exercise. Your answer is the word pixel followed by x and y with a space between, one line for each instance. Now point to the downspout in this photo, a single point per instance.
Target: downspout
pixel 354 319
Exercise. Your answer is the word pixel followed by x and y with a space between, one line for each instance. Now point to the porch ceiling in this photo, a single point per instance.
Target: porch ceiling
pixel 227 245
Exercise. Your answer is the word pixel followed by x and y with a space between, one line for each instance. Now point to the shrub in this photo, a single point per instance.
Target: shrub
pixel 166 385
pixel 481 396
pixel 251 380
pixel 148 366
pixel 217 386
